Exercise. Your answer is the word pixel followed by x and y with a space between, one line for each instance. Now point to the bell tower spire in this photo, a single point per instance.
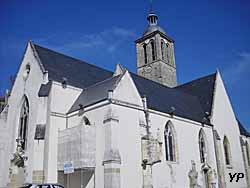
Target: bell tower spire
pixel 155 53
pixel 152 18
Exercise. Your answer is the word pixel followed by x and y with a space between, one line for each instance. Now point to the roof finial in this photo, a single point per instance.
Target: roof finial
pixel 151 5
pixel 152 17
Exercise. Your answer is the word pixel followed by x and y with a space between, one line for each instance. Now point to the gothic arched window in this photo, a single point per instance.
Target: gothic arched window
pixel 167 52
pixel 248 154
pixel 23 127
pixel 227 151
pixel 169 142
pixel 153 50
pixel 145 53
pixel 202 146
pixel 162 49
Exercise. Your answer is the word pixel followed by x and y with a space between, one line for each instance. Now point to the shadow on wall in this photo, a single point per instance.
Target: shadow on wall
pixel 80 178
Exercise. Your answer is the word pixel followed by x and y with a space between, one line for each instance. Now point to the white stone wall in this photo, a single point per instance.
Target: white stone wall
pixel 245 143
pixel 22 88
pixel 225 123
pixel 187 133
pixel 96 117
pixel 187 137
pixel 61 99
pixel 165 174
pixel 4 135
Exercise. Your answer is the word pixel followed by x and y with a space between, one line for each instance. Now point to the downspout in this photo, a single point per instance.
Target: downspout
pixel 146 113
pixel 146 163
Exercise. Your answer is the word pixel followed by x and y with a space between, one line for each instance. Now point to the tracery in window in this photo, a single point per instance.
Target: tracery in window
pixel 227 151
pixel 23 127
pixel 169 137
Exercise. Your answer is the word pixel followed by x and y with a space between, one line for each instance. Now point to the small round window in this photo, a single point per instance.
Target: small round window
pixel 27 68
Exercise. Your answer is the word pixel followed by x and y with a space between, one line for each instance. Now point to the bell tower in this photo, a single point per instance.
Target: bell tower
pixel 155 54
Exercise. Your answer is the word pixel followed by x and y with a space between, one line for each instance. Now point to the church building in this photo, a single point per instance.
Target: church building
pixel 74 123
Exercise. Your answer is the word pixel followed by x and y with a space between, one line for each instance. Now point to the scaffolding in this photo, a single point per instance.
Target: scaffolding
pixel 78 146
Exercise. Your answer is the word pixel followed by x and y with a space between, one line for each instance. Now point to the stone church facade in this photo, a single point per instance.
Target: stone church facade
pixel 71 122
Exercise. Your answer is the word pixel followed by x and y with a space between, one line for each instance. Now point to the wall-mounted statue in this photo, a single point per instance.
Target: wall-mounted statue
pixel 193 177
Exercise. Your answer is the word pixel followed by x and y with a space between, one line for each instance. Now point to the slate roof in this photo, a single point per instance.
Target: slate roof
pixel 78 73
pixel 191 100
pixel 162 98
pixel 95 93
pixel 152 28
pixel 203 88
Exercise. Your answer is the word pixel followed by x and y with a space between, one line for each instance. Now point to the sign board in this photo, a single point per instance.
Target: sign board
pixel 68 167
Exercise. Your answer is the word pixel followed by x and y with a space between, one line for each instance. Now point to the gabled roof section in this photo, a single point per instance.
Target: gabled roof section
pixel 162 98
pixel 203 89
pixel 243 130
pixel 188 100
pixel 78 73
pixel 95 93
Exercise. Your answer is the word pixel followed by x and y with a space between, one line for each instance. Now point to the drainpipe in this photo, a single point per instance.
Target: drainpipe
pixel 146 163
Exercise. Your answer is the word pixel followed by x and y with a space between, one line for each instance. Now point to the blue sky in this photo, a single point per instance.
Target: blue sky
pixel 208 34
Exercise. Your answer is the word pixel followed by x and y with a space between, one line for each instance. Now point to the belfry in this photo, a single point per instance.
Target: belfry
pixel 155 54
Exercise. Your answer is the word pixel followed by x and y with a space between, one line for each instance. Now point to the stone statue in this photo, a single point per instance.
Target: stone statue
pixel 19 149
pixel 193 177
pixel 213 177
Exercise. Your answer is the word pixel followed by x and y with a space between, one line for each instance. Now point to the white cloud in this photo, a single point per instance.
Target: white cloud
pixel 238 70
pixel 108 40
